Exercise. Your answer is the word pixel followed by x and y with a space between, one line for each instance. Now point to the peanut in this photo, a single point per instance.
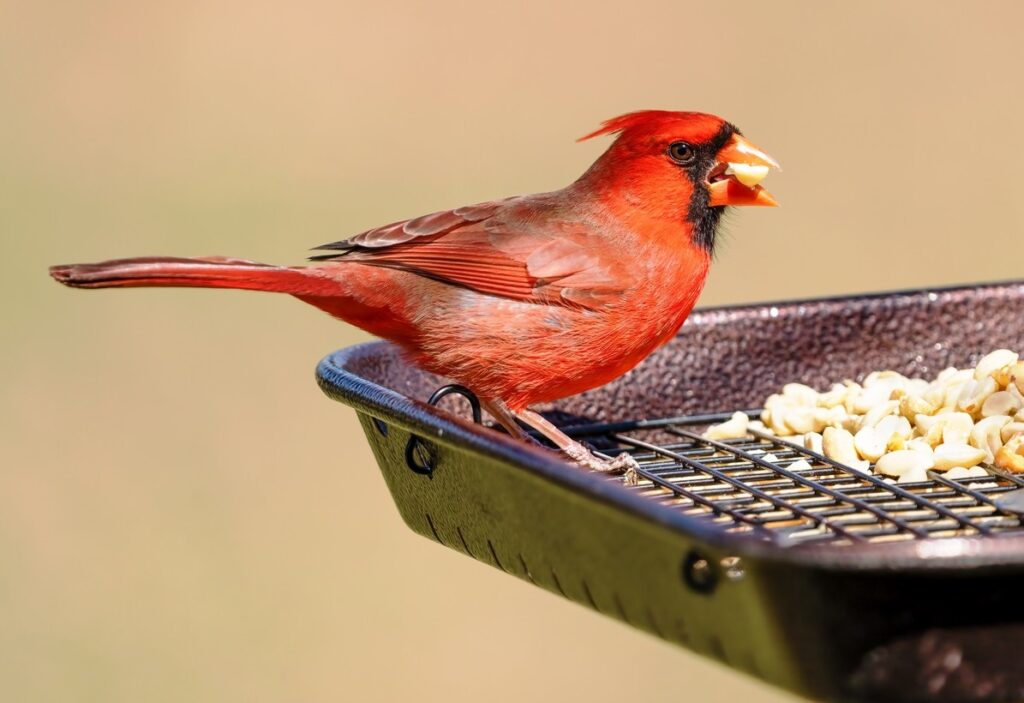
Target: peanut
pixel 813 441
pixel 903 462
pixel 1000 403
pixel 838 444
pixel 974 394
pixel 985 436
pixel 912 405
pixel 993 361
pixel 949 455
pixel 1011 455
pixel 733 428
pixel 870 443
pixel 1011 430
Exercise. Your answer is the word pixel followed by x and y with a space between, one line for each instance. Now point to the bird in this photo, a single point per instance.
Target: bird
pixel 528 299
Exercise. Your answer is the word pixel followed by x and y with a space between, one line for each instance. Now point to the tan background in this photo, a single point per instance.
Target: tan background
pixel 183 516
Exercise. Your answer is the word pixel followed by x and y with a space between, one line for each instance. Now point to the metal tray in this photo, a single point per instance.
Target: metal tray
pixel 826 583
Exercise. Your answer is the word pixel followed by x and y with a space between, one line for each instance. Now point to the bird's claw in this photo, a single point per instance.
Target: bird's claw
pixel 623 463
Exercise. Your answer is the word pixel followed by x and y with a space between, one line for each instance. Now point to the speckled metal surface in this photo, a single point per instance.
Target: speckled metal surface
pixel 728 358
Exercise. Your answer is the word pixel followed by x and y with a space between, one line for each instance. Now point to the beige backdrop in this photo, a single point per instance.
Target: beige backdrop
pixel 183 516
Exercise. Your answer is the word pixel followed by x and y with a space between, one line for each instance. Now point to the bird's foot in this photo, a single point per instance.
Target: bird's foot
pixel 623 463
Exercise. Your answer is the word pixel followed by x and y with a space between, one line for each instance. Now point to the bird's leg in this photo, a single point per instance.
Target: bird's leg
pixel 623 463
pixel 500 412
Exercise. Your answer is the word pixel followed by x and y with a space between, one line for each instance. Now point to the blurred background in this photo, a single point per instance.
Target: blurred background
pixel 183 515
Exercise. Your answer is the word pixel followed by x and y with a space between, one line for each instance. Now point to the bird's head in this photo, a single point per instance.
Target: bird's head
pixel 687 165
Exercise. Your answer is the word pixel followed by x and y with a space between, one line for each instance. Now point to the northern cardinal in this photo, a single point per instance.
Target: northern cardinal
pixel 531 298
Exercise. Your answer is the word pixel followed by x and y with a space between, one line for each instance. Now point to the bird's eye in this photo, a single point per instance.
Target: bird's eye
pixel 682 153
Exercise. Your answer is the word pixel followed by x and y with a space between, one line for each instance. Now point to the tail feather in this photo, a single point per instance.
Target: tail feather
pixel 372 300
pixel 207 272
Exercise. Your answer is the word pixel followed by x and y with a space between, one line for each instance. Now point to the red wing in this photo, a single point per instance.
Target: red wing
pixel 425 226
pixel 555 263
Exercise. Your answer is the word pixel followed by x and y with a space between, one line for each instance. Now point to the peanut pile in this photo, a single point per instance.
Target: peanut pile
pixel 904 427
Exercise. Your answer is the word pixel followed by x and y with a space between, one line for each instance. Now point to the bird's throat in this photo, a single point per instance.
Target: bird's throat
pixel 704 220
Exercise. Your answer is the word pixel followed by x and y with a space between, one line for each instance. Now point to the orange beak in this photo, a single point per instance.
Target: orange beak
pixel 735 178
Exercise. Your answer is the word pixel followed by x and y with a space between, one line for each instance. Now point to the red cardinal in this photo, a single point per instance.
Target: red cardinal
pixel 531 298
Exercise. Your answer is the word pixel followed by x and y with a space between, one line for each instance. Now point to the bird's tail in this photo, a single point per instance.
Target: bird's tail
pixel 207 272
pixel 367 300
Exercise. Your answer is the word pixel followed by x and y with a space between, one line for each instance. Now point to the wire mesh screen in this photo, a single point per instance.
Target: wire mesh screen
pixel 752 486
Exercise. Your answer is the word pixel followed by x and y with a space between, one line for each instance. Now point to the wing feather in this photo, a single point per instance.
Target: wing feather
pixel 495 248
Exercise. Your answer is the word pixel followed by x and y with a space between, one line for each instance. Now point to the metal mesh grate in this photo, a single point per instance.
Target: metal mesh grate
pixel 730 484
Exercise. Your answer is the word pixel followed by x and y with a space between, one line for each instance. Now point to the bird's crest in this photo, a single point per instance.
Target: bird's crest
pixel 652 121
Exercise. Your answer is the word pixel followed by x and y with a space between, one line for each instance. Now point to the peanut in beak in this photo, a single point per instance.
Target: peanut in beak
pixel 747 174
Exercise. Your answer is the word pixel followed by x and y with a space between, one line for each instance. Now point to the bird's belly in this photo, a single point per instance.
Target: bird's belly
pixel 525 353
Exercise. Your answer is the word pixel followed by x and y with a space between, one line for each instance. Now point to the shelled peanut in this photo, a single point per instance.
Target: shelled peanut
pixel 904 427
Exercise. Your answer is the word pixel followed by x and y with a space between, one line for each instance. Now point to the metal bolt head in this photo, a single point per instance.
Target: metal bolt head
pixel 699 573
pixel 732 568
